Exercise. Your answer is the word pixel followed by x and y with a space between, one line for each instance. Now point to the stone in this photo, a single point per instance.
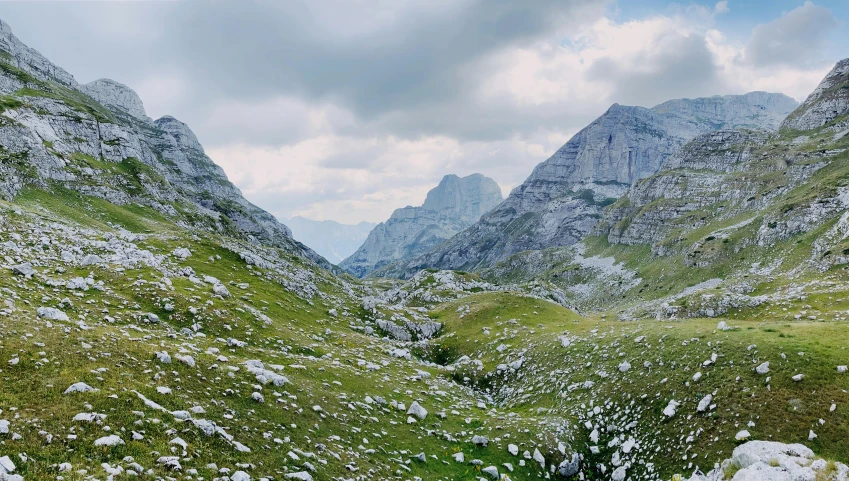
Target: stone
pixel 619 474
pixel 491 471
pixel 79 387
pixel 763 368
pixel 51 313
pixel 25 269
pixel 90 260
pixel 670 408
pixel 417 411
pixel 6 465
pixel 111 440
pixel 299 476
pixel 221 290
pixel 569 466
pixel 704 404
pixel 240 476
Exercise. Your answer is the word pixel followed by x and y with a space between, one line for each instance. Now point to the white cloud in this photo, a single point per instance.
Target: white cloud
pixel 793 39
pixel 333 164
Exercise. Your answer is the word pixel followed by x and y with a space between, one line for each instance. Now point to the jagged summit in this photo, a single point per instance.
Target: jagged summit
pixel 184 135
pixel 466 198
pixel 828 102
pixel 449 207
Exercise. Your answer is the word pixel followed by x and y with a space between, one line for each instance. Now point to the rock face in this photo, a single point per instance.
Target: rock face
pixel 449 208
pixel 563 198
pixel 829 102
pixel 703 173
pixel 116 96
pixel 30 60
pixel 334 241
pixel 96 139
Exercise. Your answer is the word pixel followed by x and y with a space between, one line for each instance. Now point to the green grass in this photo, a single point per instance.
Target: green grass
pixel 784 412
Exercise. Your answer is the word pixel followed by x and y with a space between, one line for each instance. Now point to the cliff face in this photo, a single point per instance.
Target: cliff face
pixel 829 102
pixel 449 208
pixel 563 198
pixel 96 139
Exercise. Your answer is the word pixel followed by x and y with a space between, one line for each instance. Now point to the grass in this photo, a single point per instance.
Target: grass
pixel 298 331
pixel 786 411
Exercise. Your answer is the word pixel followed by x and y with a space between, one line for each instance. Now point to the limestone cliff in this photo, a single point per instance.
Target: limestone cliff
pixel 449 208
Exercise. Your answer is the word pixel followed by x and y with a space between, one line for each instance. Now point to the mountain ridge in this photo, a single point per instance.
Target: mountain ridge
pixel 562 199
pixel 332 240
pixel 71 138
pixel 448 208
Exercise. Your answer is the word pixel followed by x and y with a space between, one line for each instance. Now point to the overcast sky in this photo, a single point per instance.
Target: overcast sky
pixel 348 109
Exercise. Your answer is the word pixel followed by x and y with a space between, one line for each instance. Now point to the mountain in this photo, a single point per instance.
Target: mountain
pixel 829 101
pixel 450 207
pixel 330 239
pixel 562 199
pixel 96 139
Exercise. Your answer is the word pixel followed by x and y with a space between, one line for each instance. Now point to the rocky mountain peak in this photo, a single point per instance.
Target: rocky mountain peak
pixel 826 103
pixel 181 132
pixel 466 198
pixel 451 206
pixel 562 199
pixel 116 96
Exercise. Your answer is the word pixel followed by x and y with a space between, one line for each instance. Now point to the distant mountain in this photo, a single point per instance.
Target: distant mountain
pixel 562 200
pixel 332 240
pixel 450 207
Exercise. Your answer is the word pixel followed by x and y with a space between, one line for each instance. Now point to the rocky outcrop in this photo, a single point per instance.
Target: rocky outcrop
pixel 449 208
pixel 116 96
pixel 696 177
pixel 563 198
pixel 30 60
pixel 769 460
pixel 97 140
pixel 828 102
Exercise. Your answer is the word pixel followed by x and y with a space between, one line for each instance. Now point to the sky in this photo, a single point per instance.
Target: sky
pixel 348 109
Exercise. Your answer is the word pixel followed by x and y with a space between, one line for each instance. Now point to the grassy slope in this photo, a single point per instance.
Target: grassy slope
pixel 784 411
pixel 300 333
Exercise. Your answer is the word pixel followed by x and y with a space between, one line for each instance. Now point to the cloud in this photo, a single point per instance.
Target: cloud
pixel 793 39
pixel 675 65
